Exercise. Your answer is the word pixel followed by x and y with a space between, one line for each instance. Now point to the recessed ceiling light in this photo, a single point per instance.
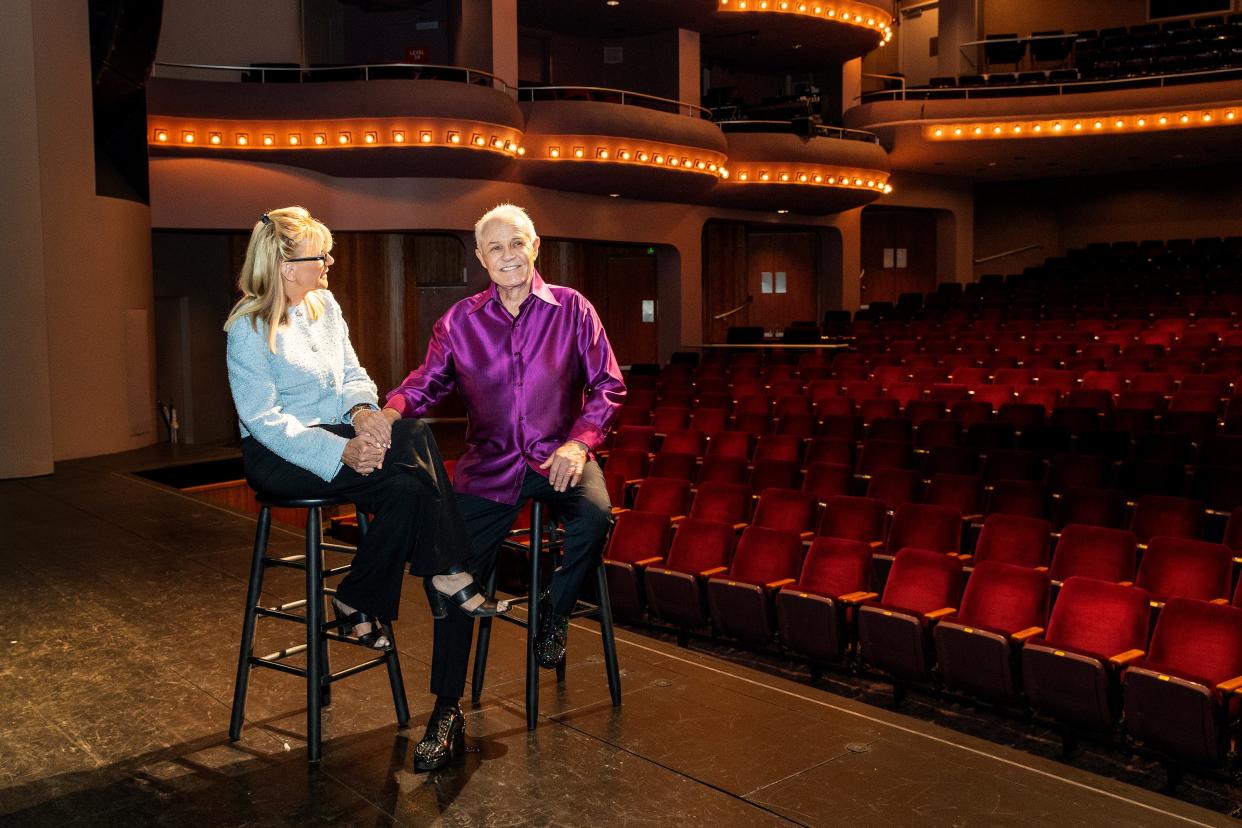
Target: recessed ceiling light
pixel 614 195
pixel 612 2
pixel 782 212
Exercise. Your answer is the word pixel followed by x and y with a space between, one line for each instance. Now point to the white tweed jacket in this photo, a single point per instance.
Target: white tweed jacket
pixel 313 378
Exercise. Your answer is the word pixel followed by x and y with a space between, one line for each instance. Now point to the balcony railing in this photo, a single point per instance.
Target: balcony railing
pixel 804 128
pixel 616 96
pixel 292 73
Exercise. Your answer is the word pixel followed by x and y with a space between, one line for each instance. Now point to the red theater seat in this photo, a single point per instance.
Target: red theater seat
pixel 665 419
pixel 894 632
pixel 723 469
pixel 722 502
pixel 894 486
pixel 884 454
pixel 778 447
pixel 1071 673
pixel 638 540
pixel 775 474
pixel 1177 517
pixel 831 450
pixel 1182 568
pixel 924 526
pixel 1093 507
pixel 853 518
pixel 741 601
pixel 674 465
pixel 1094 552
pixel 961 492
pixel 664 495
pixel 700 549
pixel 730 444
pixel 631 464
pixel 685 441
pixel 785 510
pixel 1014 539
pixel 978 647
pixel 1181 700
pixel 814 614
pixel 824 480
pixel 1018 497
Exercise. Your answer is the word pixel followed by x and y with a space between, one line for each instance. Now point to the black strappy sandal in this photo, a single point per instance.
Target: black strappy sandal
pixel 440 601
pixel 375 639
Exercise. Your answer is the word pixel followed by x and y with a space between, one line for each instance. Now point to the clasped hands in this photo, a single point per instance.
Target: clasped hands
pixel 365 452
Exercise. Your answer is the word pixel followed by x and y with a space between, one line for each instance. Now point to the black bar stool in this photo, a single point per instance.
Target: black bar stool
pixel 317 673
pixel 602 611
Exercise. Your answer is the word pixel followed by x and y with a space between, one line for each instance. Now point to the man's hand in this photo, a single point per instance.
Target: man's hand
pixel 374 426
pixel 566 464
pixel 363 455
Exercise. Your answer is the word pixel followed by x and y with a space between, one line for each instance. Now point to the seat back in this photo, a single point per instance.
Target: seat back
pixel 725 469
pixel 922 581
pixel 785 509
pixel 1099 618
pixel 1198 638
pixel 766 555
pixel 1014 539
pixel 699 545
pixel 1017 497
pixel 637 536
pixel 685 441
pixel 1163 515
pixel 961 492
pixel 1005 597
pixel 778 447
pixel 853 518
pixel 1094 552
pixel 823 480
pixel 925 526
pixel 836 566
pixel 721 502
pixel 729 444
pixel 674 464
pixel 1178 567
pixel 665 495
pixel 630 463
pixel 894 486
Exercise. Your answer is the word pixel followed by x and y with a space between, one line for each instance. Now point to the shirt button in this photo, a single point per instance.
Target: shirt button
pixel 297 312
pixel 332 383
pixel 521 419
pixel 315 348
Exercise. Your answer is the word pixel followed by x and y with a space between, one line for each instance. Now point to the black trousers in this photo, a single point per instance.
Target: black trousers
pixel 416 521
pixel 586 512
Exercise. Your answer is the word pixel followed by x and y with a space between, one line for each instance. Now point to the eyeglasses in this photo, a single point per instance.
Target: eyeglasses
pixel 322 259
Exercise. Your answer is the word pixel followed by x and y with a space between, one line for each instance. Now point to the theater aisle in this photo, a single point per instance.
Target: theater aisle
pixel 123 609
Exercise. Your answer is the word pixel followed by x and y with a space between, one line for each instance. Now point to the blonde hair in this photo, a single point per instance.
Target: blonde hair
pixel 509 214
pixel 274 239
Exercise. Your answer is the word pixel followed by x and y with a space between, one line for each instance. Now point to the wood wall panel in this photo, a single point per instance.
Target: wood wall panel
pixel 724 278
pixel 794 254
pixel 914 230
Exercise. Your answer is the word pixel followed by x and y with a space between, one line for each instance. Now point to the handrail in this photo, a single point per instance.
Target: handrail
pixel 901 78
pixel 965 92
pixel 729 313
pixel 821 130
pixel 1013 252
pixel 625 97
pixel 366 68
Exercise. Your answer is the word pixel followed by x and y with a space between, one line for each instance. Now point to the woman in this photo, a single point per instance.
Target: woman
pixel 311 427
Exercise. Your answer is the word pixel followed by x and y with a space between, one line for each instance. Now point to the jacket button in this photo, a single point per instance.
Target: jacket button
pixel 315 348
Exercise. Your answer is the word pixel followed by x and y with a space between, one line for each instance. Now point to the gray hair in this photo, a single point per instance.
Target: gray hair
pixel 509 214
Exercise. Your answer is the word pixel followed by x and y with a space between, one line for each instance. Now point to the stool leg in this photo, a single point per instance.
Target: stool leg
pixel 253 590
pixel 483 644
pixel 532 626
pixel 395 681
pixel 314 635
pixel 325 665
pixel 606 633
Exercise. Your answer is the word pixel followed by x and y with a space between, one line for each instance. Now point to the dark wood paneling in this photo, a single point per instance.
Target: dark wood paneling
pixel 914 230
pixel 724 278
pixel 795 254
pixel 630 280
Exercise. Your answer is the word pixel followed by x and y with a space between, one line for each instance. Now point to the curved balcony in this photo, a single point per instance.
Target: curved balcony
pixel 852 29
pixel 463 120
pixel 801 168
pixel 606 141
pixel 1056 129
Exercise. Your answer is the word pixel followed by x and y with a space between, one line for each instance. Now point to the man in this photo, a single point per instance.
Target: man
pixel 541 387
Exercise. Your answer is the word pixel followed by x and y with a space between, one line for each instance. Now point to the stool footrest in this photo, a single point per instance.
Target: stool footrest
pixel 273 612
pixel 339 547
pixel 378 661
pixel 278 667
pixel 337 570
pixel 290 561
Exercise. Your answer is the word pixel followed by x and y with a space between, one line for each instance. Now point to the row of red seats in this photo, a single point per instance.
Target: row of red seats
pixel 824 608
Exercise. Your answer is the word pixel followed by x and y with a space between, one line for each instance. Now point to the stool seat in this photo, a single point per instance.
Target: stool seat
pixel 298 502
pixel 317 674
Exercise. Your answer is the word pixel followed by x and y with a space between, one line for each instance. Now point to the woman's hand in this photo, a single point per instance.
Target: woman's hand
pixel 375 426
pixel 566 464
pixel 363 455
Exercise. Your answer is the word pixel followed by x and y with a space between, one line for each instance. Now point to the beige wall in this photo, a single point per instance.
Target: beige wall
pixel 96 259
pixel 231 32
pixel 26 404
pixel 953 201
pixel 1065 214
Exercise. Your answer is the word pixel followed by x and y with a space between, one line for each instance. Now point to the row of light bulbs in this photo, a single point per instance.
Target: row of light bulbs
pixel 853 179
pixel 342 138
pixel 866 16
pixel 1079 126
pixel 663 157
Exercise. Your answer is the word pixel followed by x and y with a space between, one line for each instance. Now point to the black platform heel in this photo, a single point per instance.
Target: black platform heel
pixel 375 639
pixel 444 739
pixel 440 601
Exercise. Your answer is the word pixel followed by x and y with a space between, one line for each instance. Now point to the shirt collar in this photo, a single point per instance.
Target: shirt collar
pixel 538 288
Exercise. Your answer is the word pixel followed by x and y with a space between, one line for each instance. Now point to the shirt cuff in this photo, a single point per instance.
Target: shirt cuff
pixel 397 403
pixel 588 435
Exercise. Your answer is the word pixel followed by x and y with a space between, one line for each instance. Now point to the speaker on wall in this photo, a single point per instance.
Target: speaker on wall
pixel 124 37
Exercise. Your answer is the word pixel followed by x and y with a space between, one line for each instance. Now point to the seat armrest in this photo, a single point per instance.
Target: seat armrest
pixel 806 536
pixel 676 519
pixel 971 518
pixel 858 597
pixel 1232 686
pixel 1041 569
pixel 781 583
pixel 737 527
pixel 1029 632
pixel 940 613
pixel 1122 659
pixel 713 572
pixel 1125 583
pixel 1223 601
pixel 649 561
pixel 965 559
pixel 876 544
